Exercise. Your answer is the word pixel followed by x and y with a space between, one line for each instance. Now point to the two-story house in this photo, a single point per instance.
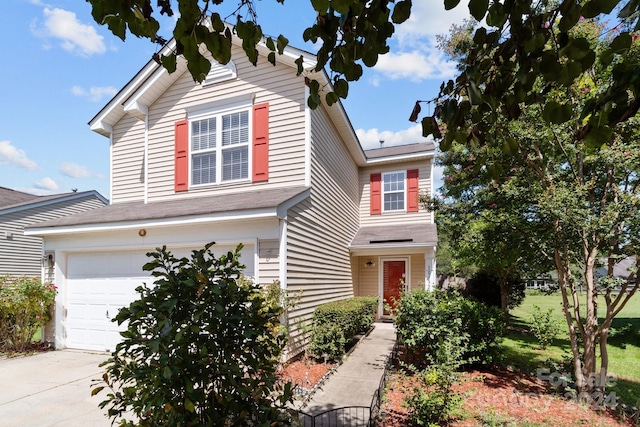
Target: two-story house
pixel 22 255
pixel 241 158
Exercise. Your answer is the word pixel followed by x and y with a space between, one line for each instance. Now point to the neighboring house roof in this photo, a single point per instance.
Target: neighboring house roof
pixel 23 201
pixel 379 236
pixel 273 202
pixel 621 269
pixel 9 197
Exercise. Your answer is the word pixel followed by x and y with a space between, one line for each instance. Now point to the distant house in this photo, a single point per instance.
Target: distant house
pixel 241 158
pixel 22 255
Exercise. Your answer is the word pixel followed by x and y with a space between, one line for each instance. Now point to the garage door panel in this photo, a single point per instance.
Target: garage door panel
pixel 101 283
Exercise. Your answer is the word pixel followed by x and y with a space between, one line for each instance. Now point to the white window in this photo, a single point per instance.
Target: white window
pixel 393 191
pixel 220 148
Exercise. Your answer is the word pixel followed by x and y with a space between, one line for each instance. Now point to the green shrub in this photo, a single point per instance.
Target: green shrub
pixel 336 323
pixel 543 326
pixel 201 348
pixel 432 399
pixel 427 319
pixel 25 304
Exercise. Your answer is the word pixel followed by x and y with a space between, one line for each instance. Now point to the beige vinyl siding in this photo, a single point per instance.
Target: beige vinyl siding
pixel 269 260
pixel 22 255
pixel 321 228
pixel 277 85
pixel 127 173
pixel 369 277
pixel 424 187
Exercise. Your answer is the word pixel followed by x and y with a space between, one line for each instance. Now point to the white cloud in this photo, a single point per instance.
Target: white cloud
pixel 370 138
pixel 416 65
pixel 74 36
pixel 95 93
pixel 414 54
pixel 13 155
pixel 429 18
pixel 46 184
pixel 75 171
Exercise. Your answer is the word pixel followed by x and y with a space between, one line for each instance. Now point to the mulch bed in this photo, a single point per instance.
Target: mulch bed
pixel 501 394
pixel 305 372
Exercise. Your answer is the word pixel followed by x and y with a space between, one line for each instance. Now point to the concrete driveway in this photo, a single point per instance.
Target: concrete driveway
pixel 51 389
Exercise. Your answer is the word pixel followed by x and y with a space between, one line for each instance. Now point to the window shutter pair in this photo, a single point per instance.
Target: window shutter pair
pixel 260 170
pixel 376 192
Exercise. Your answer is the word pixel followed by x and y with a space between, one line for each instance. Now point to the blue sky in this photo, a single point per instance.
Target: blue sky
pixel 60 68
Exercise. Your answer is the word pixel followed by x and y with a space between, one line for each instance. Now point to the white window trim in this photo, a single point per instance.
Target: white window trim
pixel 218 113
pixel 382 192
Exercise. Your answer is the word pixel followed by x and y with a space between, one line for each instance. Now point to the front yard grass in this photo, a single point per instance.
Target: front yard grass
pixel 523 351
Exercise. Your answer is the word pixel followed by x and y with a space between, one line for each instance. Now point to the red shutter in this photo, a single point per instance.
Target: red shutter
pixel 181 130
pixel 375 196
pixel 261 142
pixel 412 190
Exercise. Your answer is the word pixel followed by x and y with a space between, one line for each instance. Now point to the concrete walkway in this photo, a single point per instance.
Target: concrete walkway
pixel 356 381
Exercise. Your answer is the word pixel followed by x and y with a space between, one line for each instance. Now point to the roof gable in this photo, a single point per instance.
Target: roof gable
pixel 39 201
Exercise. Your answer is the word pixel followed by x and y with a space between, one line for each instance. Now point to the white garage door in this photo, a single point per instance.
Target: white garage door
pixel 99 284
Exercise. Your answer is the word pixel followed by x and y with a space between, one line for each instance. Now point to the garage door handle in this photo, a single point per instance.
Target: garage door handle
pixel 107 314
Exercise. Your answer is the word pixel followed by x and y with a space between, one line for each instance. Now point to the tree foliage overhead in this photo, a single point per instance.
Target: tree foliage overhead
pixel 527 49
pixel 352 33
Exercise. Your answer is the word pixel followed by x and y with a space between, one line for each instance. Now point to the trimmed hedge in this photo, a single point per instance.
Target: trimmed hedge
pixel 336 323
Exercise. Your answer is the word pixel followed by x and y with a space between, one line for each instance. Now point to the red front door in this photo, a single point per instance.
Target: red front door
pixel 393 276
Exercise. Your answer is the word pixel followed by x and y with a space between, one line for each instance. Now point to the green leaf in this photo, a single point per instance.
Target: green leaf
pixel 96 390
pixel 283 42
pixel 478 8
pixel 331 98
pixel 188 405
pixel 621 43
pixel 341 6
pixel 320 6
pixel 594 8
pixel 169 62
pixel 556 113
pixel 401 11
pixel 475 95
pixel 450 4
pixel 598 136
pixel 341 88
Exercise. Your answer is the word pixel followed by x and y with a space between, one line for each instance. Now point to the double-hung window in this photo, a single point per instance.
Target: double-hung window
pixel 220 148
pixel 393 191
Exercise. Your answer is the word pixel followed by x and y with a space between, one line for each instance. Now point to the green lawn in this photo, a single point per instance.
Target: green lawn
pixel 523 352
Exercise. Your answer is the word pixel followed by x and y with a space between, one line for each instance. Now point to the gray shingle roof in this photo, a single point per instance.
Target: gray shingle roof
pixel 398 150
pixel 10 197
pixel 183 207
pixel 400 234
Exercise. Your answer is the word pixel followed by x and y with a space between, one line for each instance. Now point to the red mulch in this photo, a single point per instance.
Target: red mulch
pixel 305 372
pixel 504 394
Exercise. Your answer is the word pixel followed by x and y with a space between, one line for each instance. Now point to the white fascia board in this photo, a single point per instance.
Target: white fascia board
pixel 283 209
pixel 169 222
pixel 113 111
pixel 47 202
pixel 400 158
pixel 390 249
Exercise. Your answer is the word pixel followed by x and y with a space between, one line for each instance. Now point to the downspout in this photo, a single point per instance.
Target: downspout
pixel 307 140
pixel 145 173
